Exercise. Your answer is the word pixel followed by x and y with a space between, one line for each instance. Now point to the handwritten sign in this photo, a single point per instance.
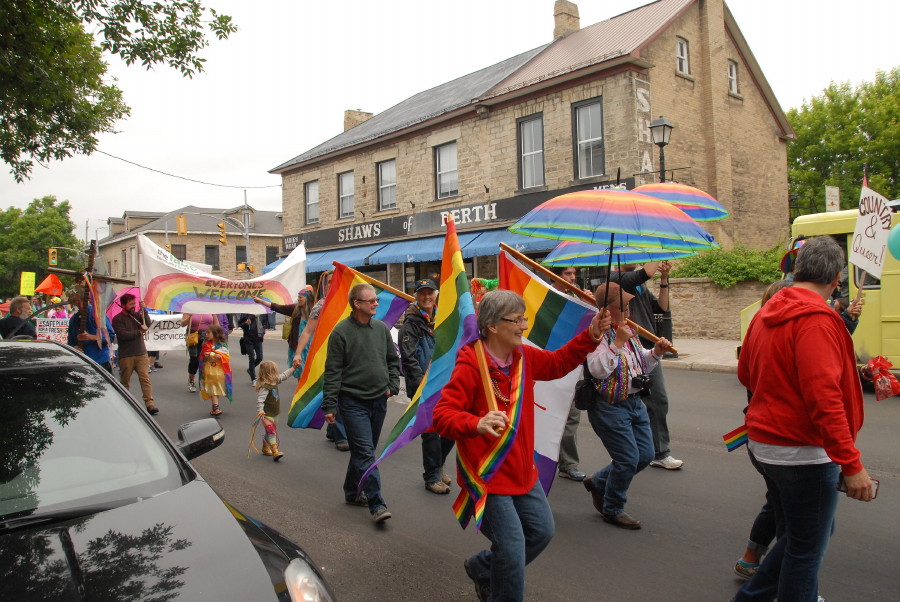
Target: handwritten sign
pixel 52 329
pixel 870 237
pixel 26 284
pixel 165 334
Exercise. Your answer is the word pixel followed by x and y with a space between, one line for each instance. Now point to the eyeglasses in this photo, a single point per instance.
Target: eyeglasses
pixel 523 321
pixel 372 300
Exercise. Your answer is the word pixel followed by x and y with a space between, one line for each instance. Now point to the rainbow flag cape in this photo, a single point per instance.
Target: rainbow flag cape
pixel 306 405
pixel 455 326
pixel 554 318
pixel 735 438
pixel 225 358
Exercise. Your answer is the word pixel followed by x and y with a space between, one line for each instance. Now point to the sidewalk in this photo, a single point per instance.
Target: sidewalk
pixel 708 355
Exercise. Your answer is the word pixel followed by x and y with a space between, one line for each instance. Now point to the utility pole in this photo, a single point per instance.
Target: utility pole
pixel 247 230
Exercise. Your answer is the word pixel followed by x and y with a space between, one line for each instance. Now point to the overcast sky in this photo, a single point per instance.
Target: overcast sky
pixel 280 85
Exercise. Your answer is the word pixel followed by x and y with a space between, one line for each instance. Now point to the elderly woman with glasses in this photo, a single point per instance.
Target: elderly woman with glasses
pixel 495 466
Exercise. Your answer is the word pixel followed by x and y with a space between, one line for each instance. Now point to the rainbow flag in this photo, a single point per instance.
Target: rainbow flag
pixel 306 405
pixel 735 438
pixel 455 326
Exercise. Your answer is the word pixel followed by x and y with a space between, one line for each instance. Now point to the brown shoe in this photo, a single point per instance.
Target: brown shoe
pixel 596 496
pixel 622 520
pixel 152 409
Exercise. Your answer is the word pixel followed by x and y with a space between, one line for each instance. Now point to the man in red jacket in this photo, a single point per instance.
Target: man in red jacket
pixel 806 409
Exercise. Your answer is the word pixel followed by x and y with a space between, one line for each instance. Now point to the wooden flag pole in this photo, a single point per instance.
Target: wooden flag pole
pixel 486 379
pixel 573 289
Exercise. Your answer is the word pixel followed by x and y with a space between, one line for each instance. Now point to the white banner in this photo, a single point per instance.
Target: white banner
pixel 165 334
pixel 169 284
pixel 52 329
pixel 870 237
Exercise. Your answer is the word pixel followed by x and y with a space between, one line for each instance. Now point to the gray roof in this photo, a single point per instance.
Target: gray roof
pixel 264 222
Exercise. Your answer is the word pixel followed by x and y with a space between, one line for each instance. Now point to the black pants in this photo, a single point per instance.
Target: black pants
pixel 254 356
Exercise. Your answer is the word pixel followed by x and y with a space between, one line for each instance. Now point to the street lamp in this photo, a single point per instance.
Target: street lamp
pixel 661 130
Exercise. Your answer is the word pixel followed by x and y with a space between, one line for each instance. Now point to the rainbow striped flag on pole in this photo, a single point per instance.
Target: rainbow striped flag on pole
pixel 455 327
pixel 306 405
pixel 736 438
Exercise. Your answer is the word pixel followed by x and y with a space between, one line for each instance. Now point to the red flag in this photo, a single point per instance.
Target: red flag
pixel 51 285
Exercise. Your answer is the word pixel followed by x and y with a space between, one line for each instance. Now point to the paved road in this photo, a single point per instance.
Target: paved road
pixel 696 520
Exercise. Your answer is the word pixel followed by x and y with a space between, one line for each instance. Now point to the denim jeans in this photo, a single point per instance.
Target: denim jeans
pixel 805 496
pixel 568 447
pixel 624 429
pixel 434 452
pixel 765 525
pixel 519 528
pixel 363 421
pixel 657 411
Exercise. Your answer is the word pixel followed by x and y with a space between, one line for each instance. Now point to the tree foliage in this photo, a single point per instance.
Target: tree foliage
pixel 55 96
pixel 842 131
pixel 25 237
pixel 727 268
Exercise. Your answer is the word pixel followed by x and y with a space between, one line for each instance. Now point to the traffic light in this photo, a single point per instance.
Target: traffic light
pixel 250 268
pixel 241 267
pixel 51 258
pixel 169 247
pixel 181 224
pixel 222 233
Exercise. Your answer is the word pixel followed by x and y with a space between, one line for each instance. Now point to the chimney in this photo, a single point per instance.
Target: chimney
pixel 565 18
pixel 354 118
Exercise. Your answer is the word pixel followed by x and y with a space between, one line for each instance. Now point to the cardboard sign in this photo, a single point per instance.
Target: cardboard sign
pixel 165 334
pixel 870 237
pixel 26 284
pixel 52 329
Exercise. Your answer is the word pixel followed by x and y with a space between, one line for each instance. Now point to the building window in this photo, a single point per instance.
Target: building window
pixel 531 151
pixel 115 268
pixel 133 260
pixel 387 185
pixel 271 254
pixel 124 261
pixel 311 192
pixel 211 256
pixel 733 77
pixel 109 268
pixel 587 117
pixel 180 252
pixel 445 169
pixel 240 254
pixel 682 56
pixel 345 194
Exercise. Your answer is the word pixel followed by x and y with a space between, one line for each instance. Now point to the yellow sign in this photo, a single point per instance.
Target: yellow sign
pixel 26 284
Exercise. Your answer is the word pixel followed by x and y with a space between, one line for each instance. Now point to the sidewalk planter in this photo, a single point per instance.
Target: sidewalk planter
pixel 702 309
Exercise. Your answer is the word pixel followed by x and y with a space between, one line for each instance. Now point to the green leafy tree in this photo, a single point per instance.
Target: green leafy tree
pixel 54 93
pixel 729 267
pixel 842 131
pixel 25 237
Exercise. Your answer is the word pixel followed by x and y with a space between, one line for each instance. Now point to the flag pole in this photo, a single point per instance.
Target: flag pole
pixel 486 379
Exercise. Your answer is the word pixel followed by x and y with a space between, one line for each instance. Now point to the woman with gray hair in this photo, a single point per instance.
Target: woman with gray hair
pixel 495 439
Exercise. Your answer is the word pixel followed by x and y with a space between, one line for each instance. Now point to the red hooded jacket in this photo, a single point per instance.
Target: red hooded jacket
pixel 799 363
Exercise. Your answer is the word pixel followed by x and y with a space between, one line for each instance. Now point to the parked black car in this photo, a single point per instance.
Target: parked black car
pixel 96 503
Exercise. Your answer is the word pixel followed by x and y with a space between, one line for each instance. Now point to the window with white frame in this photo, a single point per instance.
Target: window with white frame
pixel 387 185
pixel 133 260
pixel 733 77
pixel 124 261
pixel 311 193
pixel 345 194
pixel 447 178
pixel 682 56
pixel 589 151
pixel 531 151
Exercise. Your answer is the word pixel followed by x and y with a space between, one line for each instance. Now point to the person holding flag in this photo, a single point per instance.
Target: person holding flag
pixel 488 408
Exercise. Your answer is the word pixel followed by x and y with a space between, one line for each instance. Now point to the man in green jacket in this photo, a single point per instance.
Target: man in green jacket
pixel 362 370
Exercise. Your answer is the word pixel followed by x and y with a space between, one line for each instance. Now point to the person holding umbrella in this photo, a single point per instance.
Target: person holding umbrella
pixel 130 327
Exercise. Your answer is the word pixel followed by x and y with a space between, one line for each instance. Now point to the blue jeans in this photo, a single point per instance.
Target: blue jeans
pixel 434 452
pixel 805 496
pixel 657 410
pixel 624 429
pixel 519 528
pixel 363 421
pixel 765 526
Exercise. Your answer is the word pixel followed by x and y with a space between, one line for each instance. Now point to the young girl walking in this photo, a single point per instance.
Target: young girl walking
pixel 215 368
pixel 268 405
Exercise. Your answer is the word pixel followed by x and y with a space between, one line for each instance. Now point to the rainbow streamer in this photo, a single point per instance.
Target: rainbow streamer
pixel 735 438
pixel 455 326
pixel 306 404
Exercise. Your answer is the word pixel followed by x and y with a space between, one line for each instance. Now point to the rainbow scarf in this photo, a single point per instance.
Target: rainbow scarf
pixel 472 498
pixel 306 404
pixel 225 358
pixel 615 388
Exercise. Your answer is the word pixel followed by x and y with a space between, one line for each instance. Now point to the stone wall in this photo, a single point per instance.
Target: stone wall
pixel 702 309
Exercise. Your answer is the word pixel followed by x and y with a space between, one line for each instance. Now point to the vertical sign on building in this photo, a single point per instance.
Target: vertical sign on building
pixel 832 198
pixel 643 117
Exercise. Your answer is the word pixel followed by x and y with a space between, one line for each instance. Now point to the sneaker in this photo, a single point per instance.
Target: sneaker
pixel 151 369
pixel 445 478
pixel 342 446
pixel 360 500
pixel 191 387
pixel 157 365
pixel 438 487
pixel 745 570
pixel 572 473
pixel 669 463
pixel 381 514
pixel 482 586
pixel 253 383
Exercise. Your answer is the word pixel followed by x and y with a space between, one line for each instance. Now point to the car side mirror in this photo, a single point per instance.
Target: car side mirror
pixel 200 436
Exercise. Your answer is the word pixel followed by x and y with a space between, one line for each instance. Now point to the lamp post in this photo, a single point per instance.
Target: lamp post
pixel 661 130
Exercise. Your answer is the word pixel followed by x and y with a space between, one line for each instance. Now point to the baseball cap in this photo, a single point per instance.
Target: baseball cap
pixel 612 298
pixel 425 283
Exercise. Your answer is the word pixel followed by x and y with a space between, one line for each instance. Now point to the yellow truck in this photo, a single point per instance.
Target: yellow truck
pixel 878 332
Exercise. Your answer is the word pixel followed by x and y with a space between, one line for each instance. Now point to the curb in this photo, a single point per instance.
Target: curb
pixel 700 366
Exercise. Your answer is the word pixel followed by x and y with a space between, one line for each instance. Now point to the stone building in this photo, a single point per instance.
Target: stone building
pixel 570 115
pixel 120 255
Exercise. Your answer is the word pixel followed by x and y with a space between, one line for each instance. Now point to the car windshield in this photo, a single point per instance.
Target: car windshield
pixel 69 439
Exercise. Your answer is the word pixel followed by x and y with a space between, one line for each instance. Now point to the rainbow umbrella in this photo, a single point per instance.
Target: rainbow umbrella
pixel 693 201
pixel 582 254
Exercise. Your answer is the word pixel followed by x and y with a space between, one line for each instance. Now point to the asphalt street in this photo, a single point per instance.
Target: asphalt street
pixel 696 520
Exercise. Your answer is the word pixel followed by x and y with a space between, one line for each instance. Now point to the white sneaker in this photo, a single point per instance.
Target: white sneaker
pixel 669 463
pixel 253 384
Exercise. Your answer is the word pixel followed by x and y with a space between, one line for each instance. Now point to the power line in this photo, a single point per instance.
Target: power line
pixel 181 177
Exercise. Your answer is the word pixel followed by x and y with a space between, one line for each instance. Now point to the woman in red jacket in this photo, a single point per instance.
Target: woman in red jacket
pixel 495 461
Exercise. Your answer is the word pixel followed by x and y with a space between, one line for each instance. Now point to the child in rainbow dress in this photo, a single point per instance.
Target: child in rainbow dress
pixel 215 369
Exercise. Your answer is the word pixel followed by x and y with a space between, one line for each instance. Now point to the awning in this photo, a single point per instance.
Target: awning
pixel 420 249
pixel 273 265
pixel 349 256
pixel 488 243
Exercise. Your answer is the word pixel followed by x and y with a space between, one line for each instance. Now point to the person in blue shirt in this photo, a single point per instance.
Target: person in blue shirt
pixel 96 344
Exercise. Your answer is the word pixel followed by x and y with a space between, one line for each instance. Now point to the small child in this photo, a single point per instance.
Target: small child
pixel 215 368
pixel 268 404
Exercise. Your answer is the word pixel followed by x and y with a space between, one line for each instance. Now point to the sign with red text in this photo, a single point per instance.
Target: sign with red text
pixel 870 237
